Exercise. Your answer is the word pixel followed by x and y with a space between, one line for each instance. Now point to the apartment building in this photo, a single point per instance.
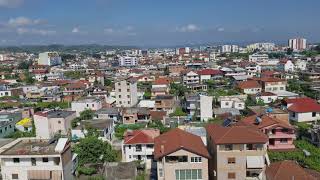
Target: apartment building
pixel 128 61
pixel 49 123
pixel 31 158
pixel 191 78
pixel 200 106
pixel 181 155
pixel 139 145
pixel 273 84
pixel 126 93
pixel 165 103
pixel 280 133
pixel 237 152
pixel 49 59
pixel 258 57
pixel 84 104
pixel 297 44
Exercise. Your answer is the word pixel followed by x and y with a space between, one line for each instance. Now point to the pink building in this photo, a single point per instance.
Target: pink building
pixel 280 133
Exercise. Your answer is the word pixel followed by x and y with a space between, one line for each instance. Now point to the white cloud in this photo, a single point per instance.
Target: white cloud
pixel 108 30
pixel 42 32
pixel 220 29
pixel 10 3
pixel 75 30
pixel 188 28
pixel 24 21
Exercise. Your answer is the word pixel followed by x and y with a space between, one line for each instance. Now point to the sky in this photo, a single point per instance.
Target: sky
pixel 156 22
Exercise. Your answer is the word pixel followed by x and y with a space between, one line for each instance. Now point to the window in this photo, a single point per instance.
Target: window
pixel 16 160
pixel 119 96
pixel 33 161
pixel 231 175
pixel 281 88
pixel 196 159
pixel 56 161
pixel 129 102
pixel 314 114
pixel 293 114
pixel 128 90
pixel 227 103
pixel 138 148
pixel 160 172
pixel 284 141
pixel 119 90
pixel 231 160
pixel 92 105
pixel 188 174
pixel 228 147
pixel 129 146
pixel 59 122
pixel 45 160
pixel 128 96
pixel 15 176
pixel 87 105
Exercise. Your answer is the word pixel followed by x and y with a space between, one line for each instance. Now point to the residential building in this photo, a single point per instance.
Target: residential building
pixel 273 84
pixel 261 46
pixel 286 66
pixel 165 103
pixel 237 152
pixel 31 158
pixel 280 133
pixel 108 113
pixel 258 57
pixel 199 107
pixel 297 44
pixel 103 127
pixel 265 97
pixel 50 123
pixel 236 101
pixel 249 87
pixel 126 93
pixel 181 155
pixel 85 104
pixel 253 70
pixel 5 91
pixel 8 121
pixel 191 78
pixel 304 112
pixel 128 61
pixel 134 115
pixel 209 74
pixel 49 59
pixel 139 145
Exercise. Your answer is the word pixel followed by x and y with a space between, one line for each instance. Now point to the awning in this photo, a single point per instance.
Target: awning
pixel 255 162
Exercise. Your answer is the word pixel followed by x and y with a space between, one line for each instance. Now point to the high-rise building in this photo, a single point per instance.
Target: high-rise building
pixel 49 59
pixel 229 48
pixel 128 61
pixel 126 93
pixel 297 44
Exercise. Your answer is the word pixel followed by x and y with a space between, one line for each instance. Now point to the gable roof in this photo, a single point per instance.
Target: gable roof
pixel 235 135
pixel 287 170
pixel 304 108
pixel 266 121
pixel 177 139
pixel 300 100
pixel 210 72
pixel 248 84
pixel 144 136
pixel 162 81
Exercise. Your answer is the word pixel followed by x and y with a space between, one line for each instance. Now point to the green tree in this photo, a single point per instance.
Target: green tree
pixel 178 89
pixel 86 114
pixel 107 82
pixel 93 150
pixel 178 112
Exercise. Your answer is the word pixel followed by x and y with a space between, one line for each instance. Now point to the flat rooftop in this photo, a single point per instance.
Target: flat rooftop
pixel 31 147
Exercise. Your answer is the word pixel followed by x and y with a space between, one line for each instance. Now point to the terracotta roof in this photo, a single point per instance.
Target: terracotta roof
pixel 209 72
pixel 157 115
pixel 287 170
pixel 267 94
pixel 266 121
pixel 235 135
pixel 303 107
pixel 160 81
pixel 177 139
pixel 300 100
pixel 248 84
pixel 144 136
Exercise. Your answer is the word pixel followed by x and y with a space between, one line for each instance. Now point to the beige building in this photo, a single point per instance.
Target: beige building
pixel 30 158
pixel 238 153
pixel 181 155
pixel 126 93
pixel 49 123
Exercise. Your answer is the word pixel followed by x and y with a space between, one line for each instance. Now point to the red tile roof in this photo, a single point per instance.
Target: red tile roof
pixel 287 170
pixel 248 84
pixel 304 108
pixel 300 100
pixel 235 135
pixel 266 121
pixel 144 136
pixel 209 72
pixel 271 79
pixel 161 81
pixel 177 139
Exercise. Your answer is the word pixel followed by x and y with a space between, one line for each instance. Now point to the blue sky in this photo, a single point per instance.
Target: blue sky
pixel 156 22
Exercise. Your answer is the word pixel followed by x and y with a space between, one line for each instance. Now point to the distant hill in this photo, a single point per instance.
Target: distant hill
pixel 90 48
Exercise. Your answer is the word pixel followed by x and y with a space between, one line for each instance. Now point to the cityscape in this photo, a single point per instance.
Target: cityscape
pixel 170 90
